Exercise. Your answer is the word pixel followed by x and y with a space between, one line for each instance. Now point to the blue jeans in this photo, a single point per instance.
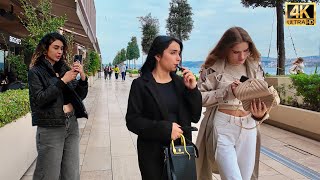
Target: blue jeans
pixel 123 75
pixel 58 152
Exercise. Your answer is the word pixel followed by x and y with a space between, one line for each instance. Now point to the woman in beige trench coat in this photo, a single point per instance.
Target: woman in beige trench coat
pixel 234 55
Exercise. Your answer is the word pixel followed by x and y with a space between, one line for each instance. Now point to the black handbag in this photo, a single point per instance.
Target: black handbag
pixel 180 160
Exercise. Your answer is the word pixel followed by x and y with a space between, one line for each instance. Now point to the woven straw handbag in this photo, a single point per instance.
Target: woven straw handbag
pixel 256 89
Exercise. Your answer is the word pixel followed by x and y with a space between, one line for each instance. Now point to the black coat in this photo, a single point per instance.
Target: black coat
pixel 147 117
pixel 46 94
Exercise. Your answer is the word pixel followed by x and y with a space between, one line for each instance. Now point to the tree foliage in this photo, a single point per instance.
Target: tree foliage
pixel 179 22
pixel 278 4
pixel 39 21
pixel 16 66
pixel 150 29
pixel 94 62
pixel 268 3
pixel 133 51
pixel 123 53
pixel 116 59
pixel 70 43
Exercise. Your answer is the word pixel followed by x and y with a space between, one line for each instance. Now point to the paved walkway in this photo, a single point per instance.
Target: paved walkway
pixel 108 149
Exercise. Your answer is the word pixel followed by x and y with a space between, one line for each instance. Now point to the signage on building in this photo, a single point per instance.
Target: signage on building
pixel 14 40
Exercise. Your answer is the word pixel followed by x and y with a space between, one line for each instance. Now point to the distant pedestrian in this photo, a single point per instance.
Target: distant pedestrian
pixel 14 83
pixel 109 71
pixel 160 102
pixel 116 71
pixel 56 103
pixel 123 72
pixel 105 72
pixel 297 66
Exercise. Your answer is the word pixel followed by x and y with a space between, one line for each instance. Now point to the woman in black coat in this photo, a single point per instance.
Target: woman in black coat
pixel 56 103
pixel 160 102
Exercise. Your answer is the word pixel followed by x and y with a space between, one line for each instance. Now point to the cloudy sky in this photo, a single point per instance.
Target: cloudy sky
pixel 117 22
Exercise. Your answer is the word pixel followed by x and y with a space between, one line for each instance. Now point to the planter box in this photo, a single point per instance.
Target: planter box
pixel 18 149
pixel 91 79
pixel 299 121
pixel 285 81
pixel 134 75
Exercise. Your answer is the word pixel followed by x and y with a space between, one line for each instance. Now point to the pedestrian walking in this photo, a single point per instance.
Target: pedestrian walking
pixel 228 139
pixel 109 71
pixel 123 72
pixel 160 104
pixel 56 103
pixel 116 71
pixel 105 70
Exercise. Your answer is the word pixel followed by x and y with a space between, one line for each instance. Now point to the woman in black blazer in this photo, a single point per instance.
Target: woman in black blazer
pixel 160 102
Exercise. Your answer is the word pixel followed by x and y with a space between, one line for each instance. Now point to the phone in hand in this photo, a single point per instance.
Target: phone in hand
pixel 77 57
pixel 243 78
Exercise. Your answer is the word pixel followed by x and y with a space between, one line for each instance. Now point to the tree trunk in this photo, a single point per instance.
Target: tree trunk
pixel 134 62
pixel 280 39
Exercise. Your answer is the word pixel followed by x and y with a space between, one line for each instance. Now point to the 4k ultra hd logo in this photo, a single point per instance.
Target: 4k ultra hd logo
pixel 300 14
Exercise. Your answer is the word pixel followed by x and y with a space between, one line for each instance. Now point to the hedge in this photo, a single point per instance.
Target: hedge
pixel 13 105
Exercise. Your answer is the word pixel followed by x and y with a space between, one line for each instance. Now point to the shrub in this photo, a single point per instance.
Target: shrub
pixel 18 66
pixel 134 71
pixel 13 105
pixel 308 86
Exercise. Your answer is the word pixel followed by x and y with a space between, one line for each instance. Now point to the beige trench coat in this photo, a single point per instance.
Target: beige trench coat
pixel 211 97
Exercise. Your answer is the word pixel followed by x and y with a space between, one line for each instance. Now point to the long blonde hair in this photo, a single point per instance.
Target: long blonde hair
pixel 230 38
pixel 44 44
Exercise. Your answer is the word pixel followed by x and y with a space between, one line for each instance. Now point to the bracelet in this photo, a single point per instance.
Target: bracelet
pixel 63 80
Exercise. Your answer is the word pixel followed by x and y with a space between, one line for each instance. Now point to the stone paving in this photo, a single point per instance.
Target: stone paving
pixel 108 149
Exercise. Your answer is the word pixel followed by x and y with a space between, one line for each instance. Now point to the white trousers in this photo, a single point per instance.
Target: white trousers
pixel 236 146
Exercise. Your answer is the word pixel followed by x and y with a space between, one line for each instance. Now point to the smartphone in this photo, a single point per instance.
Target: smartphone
pixel 243 78
pixel 77 57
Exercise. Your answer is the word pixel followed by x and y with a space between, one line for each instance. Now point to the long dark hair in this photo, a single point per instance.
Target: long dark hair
pixel 44 44
pixel 159 44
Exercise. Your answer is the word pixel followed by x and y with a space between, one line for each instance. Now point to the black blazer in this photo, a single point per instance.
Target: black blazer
pixel 147 117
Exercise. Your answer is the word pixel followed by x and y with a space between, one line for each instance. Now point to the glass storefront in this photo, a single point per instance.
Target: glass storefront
pixel 3 54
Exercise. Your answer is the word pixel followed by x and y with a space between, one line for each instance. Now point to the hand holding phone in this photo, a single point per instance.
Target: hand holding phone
pixel 77 57
pixel 243 78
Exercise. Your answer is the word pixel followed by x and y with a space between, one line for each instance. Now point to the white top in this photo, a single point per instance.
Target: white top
pixel 123 68
pixel 230 74
pixel 296 68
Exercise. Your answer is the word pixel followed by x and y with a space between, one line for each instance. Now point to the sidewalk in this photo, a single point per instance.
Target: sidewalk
pixel 108 149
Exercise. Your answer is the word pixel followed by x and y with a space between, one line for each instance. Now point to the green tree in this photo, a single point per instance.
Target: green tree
pixel 179 22
pixel 94 62
pixel 129 53
pixel 278 4
pixel 70 43
pixel 133 52
pixel 136 50
pixel 38 20
pixel 123 55
pixel 150 29
pixel 117 58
